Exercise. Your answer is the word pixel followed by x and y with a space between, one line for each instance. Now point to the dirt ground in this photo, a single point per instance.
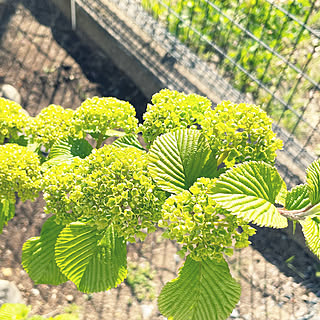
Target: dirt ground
pixel 48 63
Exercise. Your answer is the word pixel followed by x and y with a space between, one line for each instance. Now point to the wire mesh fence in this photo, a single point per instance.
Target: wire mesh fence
pixel 263 52
pixel 49 63
pixel 267 49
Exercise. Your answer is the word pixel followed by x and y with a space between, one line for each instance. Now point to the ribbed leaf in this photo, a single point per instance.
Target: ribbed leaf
pixel 177 159
pixel 249 191
pixel 313 181
pixel 92 260
pixel 129 140
pixel 297 198
pixel 203 290
pixel 66 149
pixel 282 195
pixel 311 231
pixel 7 210
pixel 38 257
pixel 14 311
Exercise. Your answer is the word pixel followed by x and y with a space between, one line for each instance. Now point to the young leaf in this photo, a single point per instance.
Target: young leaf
pixel 177 159
pixel 94 261
pixel 203 290
pixel 313 181
pixel 129 140
pixel 38 257
pixel 249 191
pixel 282 195
pixel 66 149
pixel 7 210
pixel 311 231
pixel 297 198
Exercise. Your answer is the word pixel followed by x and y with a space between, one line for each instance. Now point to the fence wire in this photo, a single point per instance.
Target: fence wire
pixel 273 64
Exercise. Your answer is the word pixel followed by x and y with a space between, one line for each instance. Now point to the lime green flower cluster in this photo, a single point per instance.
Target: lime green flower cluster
pixel 51 124
pixel 240 132
pixel 110 186
pixel 97 116
pixel 13 119
pixel 194 220
pixel 172 110
pixel 59 182
pixel 19 172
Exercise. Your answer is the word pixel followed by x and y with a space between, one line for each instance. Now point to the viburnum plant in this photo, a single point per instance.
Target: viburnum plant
pixel 203 176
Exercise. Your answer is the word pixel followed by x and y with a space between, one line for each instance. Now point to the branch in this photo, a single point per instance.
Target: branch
pixel 298 214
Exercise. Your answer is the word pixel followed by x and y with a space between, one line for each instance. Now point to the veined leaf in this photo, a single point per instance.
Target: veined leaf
pixel 311 231
pixel 38 257
pixel 249 191
pixel 177 159
pixel 297 198
pixel 313 181
pixel 282 195
pixel 7 210
pixel 94 261
pixel 129 140
pixel 20 140
pixel 203 290
pixel 65 150
pixel 14 311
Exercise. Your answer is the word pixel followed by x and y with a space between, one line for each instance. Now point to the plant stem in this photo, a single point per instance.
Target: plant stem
pixel 99 141
pixel 296 214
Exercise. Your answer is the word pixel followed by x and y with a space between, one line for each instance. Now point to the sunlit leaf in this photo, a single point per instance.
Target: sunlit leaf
pixel 95 261
pixel 203 290
pixel 249 191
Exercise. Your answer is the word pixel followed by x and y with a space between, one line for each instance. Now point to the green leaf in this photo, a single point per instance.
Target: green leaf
pixel 203 290
pixel 297 198
pixel 313 181
pixel 249 191
pixel 38 257
pixel 14 311
pixel 311 231
pixel 282 195
pixel 7 210
pixel 177 159
pixel 129 140
pixel 20 140
pixel 66 149
pixel 94 261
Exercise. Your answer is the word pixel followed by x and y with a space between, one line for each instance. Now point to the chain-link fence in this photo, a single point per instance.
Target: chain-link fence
pixel 261 51
pixel 267 49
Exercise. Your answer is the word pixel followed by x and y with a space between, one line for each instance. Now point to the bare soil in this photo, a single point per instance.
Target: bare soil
pixel 48 63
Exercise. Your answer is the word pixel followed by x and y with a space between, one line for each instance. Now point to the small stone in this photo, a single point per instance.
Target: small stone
pixel 54 296
pixel 20 286
pixel 69 297
pixel 9 293
pixel 146 311
pixel 235 314
pixel 177 258
pixel 9 92
pixel 35 292
pixel 7 272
